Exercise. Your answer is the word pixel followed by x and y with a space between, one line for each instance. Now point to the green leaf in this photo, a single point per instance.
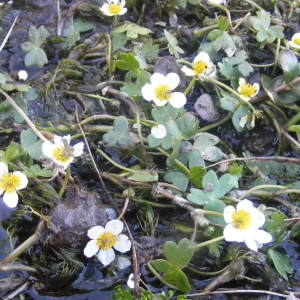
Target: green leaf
pixel 181 254
pixel 204 140
pixel 275 224
pixel 118 40
pixel 37 36
pixel 198 197
pixel 35 171
pixel 144 176
pixel 242 111
pixel 289 64
pixel 82 24
pixel 132 30
pixel 178 179
pixel 281 263
pixel 128 62
pixel 174 49
pixel 37 57
pixel 162 265
pixel 12 152
pixel 223 23
pixel 31 144
pixel 177 278
pixel 196 175
pixel 217 206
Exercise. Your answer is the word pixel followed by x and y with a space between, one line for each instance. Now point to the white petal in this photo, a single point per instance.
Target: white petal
pixel 187 71
pixel 11 199
pixel 245 205
pixel 158 102
pixel 256 86
pixel 122 3
pixel 177 99
pixel 123 243
pixel 172 80
pixel 258 217
pixel 78 149
pixel 23 180
pixel 95 232
pixel 48 148
pixel 123 11
pixel 106 256
pixel 22 75
pixel 91 248
pixel 159 131
pixel 242 81
pixel 251 244
pixel 158 79
pixel 263 237
pixel 148 92
pixel 3 169
pixel 228 211
pixel 232 234
pixel 105 9
pixel 114 226
pixel 202 56
pixel 130 281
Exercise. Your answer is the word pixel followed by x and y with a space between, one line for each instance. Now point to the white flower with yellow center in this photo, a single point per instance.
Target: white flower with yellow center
pixel 114 8
pixel 159 131
pixel 10 183
pixel 243 223
pixel 202 65
pixel 61 152
pixel 105 240
pixel 216 2
pixel 160 90
pixel 247 90
pixel 295 41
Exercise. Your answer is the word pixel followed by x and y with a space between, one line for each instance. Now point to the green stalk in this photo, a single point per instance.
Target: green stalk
pixel 209 242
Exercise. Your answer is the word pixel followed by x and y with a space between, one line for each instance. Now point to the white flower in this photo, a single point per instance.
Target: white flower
pixel 216 2
pixel 130 281
pixel 160 90
pixel 202 65
pixel 10 183
pixel 61 152
pixel 295 41
pixel 247 90
pixel 243 225
pixel 114 8
pixel 105 239
pixel 22 75
pixel 159 131
pixel 243 121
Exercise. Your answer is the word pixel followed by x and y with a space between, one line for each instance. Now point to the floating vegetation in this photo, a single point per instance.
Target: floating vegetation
pixel 149 149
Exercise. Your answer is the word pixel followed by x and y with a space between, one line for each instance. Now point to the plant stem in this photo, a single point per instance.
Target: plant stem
pixel 23 115
pixel 209 242
pixel 190 86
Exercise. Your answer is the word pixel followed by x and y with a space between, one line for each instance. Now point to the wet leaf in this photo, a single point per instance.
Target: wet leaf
pixel 162 265
pixel 128 62
pixel 132 30
pixel 289 64
pixel 31 144
pixel 281 263
pixel 196 175
pixel 180 255
pixel 174 49
pixel 144 176
pixel 177 278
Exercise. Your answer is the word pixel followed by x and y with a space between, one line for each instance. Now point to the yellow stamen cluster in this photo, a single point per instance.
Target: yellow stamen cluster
pixel 114 9
pixel 162 92
pixel 241 219
pixel 61 155
pixel 248 90
pixel 10 182
pixel 106 240
pixel 199 67
pixel 296 41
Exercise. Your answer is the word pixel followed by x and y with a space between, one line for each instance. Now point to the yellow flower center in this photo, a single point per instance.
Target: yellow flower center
pixel 10 182
pixel 241 219
pixel 106 240
pixel 199 67
pixel 296 41
pixel 248 90
pixel 62 154
pixel 114 9
pixel 163 92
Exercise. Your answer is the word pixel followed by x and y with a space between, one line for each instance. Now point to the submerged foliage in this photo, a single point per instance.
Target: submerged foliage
pixel 130 89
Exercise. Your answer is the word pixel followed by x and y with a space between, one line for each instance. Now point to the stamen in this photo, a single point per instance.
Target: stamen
pixel 248 90
pixel 296 41
pixel 114 9
pixel 200 67
pixel 10 182
pixel 106 240
pixel 241 219
pixel 61 154
pixel 163 92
